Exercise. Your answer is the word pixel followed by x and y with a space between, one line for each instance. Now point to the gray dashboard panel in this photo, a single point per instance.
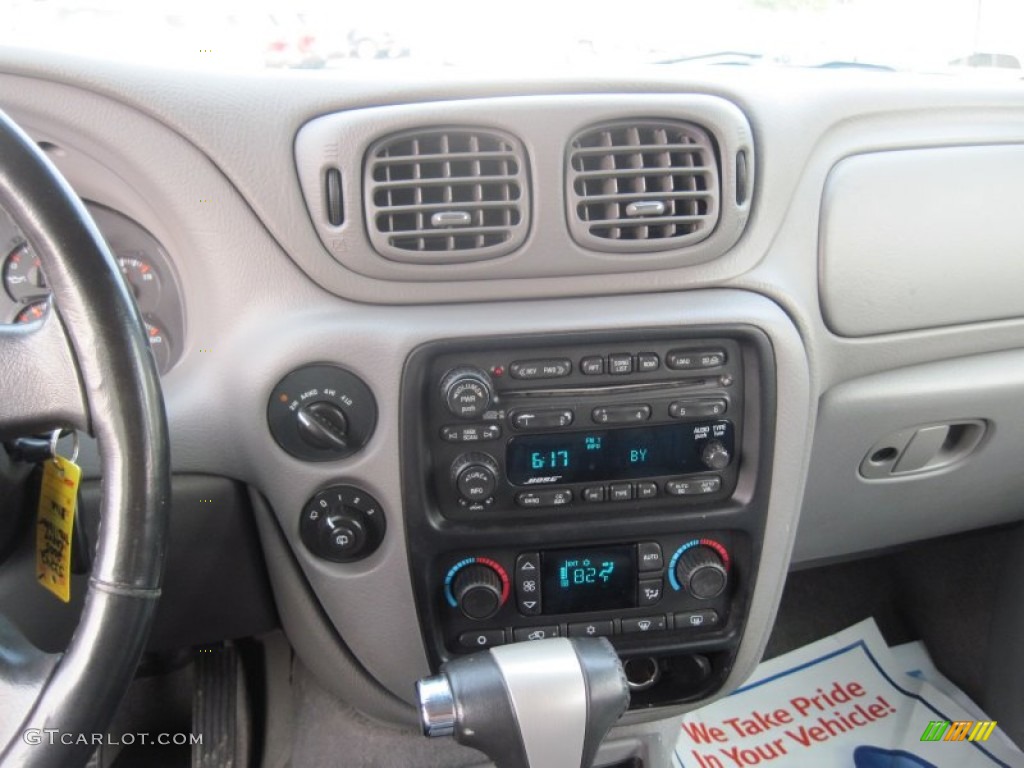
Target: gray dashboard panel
pixel 922 238
pixel 845 513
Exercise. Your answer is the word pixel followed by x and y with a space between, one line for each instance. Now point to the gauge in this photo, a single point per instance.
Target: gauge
pixel 159 344
pixel 32 312
pixel 23 277
pixel 143 279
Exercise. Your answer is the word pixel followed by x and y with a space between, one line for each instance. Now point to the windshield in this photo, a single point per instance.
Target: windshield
pixel 922 35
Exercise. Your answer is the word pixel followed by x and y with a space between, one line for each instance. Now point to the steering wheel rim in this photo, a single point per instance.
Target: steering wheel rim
pixel 89 367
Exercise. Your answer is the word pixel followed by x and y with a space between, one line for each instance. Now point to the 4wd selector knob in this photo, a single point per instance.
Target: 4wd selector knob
pixel 478 590
pixel 715 455
pixel 701 572
pixel 467 392
pixel 475 476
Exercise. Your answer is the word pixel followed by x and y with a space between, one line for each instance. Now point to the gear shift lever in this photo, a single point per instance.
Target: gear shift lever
pixel 540 704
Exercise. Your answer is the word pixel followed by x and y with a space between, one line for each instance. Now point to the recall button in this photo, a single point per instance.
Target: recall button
pixel 481 638
pixel 650 592
pixel 540 369
pixel 535 633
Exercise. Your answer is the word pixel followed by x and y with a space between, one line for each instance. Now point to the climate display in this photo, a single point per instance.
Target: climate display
pixel 580 457
pixel 575 580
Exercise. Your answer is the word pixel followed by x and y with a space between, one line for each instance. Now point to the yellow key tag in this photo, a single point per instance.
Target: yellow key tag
pixel 56 517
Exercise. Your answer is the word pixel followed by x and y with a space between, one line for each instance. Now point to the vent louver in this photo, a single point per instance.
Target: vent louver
pixel 446 195
pixel 642 186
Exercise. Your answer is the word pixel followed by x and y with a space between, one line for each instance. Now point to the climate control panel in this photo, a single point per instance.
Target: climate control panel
pixel 662 588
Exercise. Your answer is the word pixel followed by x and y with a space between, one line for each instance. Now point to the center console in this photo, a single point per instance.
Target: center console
pixel 591 485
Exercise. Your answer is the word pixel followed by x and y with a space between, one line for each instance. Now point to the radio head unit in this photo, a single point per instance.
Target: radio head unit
pixel 584 427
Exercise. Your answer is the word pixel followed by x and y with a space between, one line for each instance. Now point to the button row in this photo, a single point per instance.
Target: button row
pixel 648 489
pixel 540 369
pixel 524 419
pixel 693 487
pixel 555 497
pixel 470 433
pixel 620 363
pixel 620 492
pixel 691 359
pixel 478 639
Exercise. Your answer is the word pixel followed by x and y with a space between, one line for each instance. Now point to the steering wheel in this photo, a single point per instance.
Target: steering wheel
pixel 87 366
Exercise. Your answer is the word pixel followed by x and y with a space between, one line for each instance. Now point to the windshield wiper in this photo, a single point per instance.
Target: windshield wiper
pixel 717 58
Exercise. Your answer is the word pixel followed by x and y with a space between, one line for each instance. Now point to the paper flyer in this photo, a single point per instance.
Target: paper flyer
pixel 846 700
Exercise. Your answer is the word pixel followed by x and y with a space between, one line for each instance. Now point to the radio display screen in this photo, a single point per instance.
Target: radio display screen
pixel 612 454
pixel 590 579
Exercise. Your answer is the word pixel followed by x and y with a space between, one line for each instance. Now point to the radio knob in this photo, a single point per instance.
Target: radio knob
pixel 701 572
pixel 475 476
pixel 477 589
pixel 467 392
pixel 715 455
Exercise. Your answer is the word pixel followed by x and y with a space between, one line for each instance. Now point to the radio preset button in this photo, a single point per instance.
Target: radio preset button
pixel 621 414
pixel 591 629
pixel 527 579
pixel 647 362
pixel 620 492
pixel 697 409
pixel 649 557
pixel 540 369
pixel 620 363
pixel 470 434
pixel 644 624
pixel 594 493
pixel 707 617
pixel 650 592
pixel 535 633
pixel 542 419
pixel 592 366
pixel 646 490
pixel 551 498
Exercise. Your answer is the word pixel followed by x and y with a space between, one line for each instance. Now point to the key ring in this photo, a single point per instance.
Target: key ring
pixel 74 445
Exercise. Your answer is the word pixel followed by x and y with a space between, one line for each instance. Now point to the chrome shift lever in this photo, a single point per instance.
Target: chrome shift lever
pixel 541 704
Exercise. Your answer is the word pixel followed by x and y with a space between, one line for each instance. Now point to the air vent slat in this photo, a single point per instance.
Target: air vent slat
pixel 449 205
pixel 447 194
pixel 419 183
pixel 625 173
pixel 613 167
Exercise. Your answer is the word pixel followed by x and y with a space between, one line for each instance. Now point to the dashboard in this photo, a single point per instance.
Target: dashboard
pixel 604 356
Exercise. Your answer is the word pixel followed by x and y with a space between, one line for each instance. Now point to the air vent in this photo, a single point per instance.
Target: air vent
pixel 642 186
pixel 446 195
